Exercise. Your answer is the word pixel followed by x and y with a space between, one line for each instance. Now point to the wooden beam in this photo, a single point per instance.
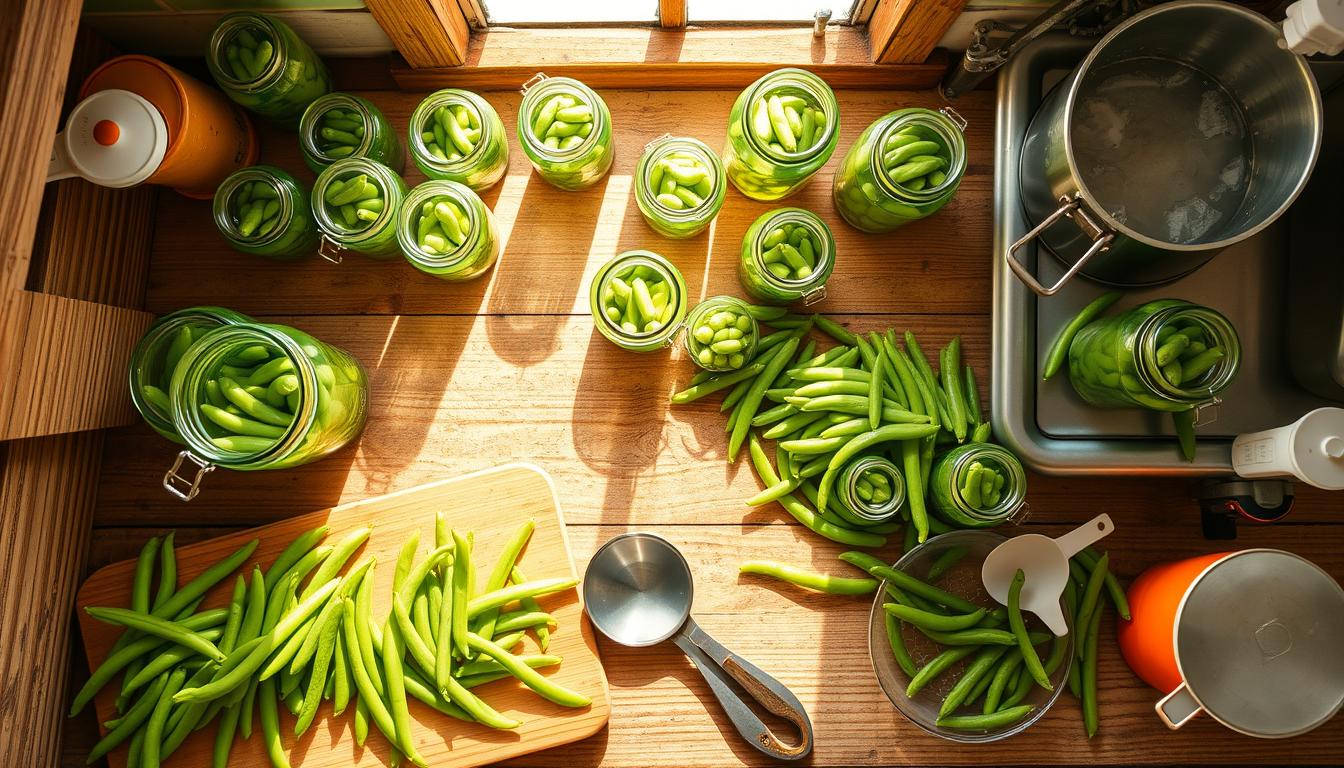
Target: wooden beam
pixel 427 33
pixel 664 59
pixel 672 14
pixel 47 488
pixel 906 31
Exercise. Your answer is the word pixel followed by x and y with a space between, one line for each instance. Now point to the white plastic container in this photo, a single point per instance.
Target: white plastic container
pixel 1310 449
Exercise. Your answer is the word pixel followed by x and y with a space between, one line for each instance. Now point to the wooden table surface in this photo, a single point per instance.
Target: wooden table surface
pixel 509 367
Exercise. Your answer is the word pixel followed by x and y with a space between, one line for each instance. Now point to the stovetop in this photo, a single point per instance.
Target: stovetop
pixel 1052 429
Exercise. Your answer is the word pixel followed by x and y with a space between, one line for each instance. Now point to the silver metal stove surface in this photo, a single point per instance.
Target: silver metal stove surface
pixel 1046 423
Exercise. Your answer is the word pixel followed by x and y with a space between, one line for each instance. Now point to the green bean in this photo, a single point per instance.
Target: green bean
pixel 978 668
pixel 1000 719
pixel 1059 348
pixel 421 570
pixel 144 566
pixel 1019 628
pixel 313 638
pixel 1091 593
pixel 543 686
pixel 154 726
pixel 228 726
pixel 812 520
pixel 300 546
pixel 945 561
pixel 939 664
pixel 1089 674
pixel 975 636
pixel 403 735
pixel 167 574
pixel 130 722
pixel 752 400
pixel 999 683
pixel 949 370
pixel 835 330
pixel 530 604
pixel 164 661
pixel 161 628
pixel 340 554
pixel 1184 422
pixel 370 698
pixel 363 647
pixel 818 582
pixel 501 597
pixel 499 577
pixel 251 406
pixel 270 723
pixel 909 583
pixel 1089 557
pixel 716 383
pixel 897 642
pixel 934 621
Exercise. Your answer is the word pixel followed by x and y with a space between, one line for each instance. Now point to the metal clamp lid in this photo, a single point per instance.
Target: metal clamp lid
pixel 813 296
pixel 330 249
pixel 955 117
pixel 1072 208
pixel 174 483
pixel 533 81
pixel 657 140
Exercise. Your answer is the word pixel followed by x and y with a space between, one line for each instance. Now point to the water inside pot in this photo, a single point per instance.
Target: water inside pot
pixel 1162 147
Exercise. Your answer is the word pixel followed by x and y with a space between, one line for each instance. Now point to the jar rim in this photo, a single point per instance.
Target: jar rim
pixel 715 303
pixel 1014 483
pixel 228 27
pixel 442 97
pixel 461 194
pixel 312 115
pixel 803 80
pixel 278 179
pixel 662 266
pixel 659 148
pixel 952 138
pixel 532 95
pixel 849 476
pixel 805 218
pixel 1217 378
pixel 381 175
pixel 158 334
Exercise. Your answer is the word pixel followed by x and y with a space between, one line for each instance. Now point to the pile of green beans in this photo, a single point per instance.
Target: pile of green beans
pixel 302 631
pixel 1089 577
pixel 252 400
pixel 867 394
pixel 249 54
pixel 157 396
pixel 914 161
pixel 355 201
pixel 256 209
pixel 442 226
pixel 983 486
pixel 639 299
pixel 791 252
pixel 787 122
pixel 563 121
pixel 340 132
pixel 1183 355
pixel 722 340
pixel 681 180
pixel 451 132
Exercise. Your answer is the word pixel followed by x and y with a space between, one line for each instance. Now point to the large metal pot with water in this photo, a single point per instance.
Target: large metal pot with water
pixel 1186 129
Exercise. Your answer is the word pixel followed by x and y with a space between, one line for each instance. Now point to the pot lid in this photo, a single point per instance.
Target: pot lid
pixel 1257 641
pixel 115 138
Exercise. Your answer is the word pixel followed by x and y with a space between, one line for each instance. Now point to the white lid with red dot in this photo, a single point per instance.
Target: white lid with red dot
pixel 113 138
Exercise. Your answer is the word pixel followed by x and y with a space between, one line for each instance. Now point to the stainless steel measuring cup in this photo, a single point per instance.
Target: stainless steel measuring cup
pixel 638 592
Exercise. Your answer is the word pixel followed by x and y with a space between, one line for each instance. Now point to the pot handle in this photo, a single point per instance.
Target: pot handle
pixel 1071 207
pixel 1178 707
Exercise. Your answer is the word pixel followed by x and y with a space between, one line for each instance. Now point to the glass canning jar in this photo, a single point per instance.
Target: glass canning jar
pixel 621 270
pixel 341 125
pixel 480 245
pixel 948 482
pixel 375 235
pixel 764 172
pixel 284 85
pixel 157 354
pixel 849 491
pixel 703 316
pixel 328 404
pixel 585 161
pixel 476 155
pixel 679 186
pixel 781 284
pixel 264 211
pixel 1122 361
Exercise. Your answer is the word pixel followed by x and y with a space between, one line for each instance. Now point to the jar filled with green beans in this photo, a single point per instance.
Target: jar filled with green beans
pixel 870 490
pixel 341 125
pixel 447 231
pixel 782 129
pixel 260 63
pixel 565 130
pixel 264 211
pixel 355 202
pixel 721 333
pixel 787 255
pixel 1166 355
pixel 905 166
pixel 638 301
pixel 261 396
pixel 456 135
pixel 679 186
pixel 157 354
pixel 978 485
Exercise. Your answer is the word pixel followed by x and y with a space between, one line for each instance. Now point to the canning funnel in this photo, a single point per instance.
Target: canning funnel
pixel 1045 561
pixel 638 592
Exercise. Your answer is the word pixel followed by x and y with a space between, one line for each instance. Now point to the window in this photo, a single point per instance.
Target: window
pixel 557 12
pixel 709 11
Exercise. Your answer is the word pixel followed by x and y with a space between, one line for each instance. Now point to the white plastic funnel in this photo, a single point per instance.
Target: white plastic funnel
pixel 1045 561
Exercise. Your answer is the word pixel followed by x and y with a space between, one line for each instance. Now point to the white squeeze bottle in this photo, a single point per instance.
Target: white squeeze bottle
pixel 1310 449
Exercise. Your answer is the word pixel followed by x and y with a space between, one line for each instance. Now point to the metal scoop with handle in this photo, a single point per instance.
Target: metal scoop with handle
pixel 1045 561
pixel 638 592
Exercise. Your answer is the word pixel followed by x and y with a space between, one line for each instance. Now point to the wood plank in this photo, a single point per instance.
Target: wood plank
pixel 47 488
pixel 817 646
pixel 906 31
pixel 672 14
pixel 427 33
pixel 655 58
pixel 492 505
pixel 940 264
pixel 457 394
pixel 95 243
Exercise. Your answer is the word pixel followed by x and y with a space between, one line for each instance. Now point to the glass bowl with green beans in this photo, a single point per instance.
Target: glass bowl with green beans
pixel 721 333
pixel 638 301
pixel 787 255
pixel 260 63
pixel 157 354
pixel 781 130
pixel 949 657
pixel 679 186
pixel 355 202
pixel 447 231
pixel 564 128
pixel 456 135
pixel 979 485
pixel 264 211
pixel 905 166
pixel 341 125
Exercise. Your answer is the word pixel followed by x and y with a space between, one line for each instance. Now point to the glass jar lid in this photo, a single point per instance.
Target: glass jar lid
pixel 1194 368
pixel 465 211
pixel 426 115
pixel 1006 500
pixel 253 206
pixel 943 128
pixel 798 83
pixel 811 288
pixel 616 276
pixel 537 91
pixel 311 126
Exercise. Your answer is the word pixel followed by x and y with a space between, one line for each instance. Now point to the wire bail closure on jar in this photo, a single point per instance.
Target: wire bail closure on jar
pixel 1212 408
pixel 813 296
pixel 658 140
pixel 174 482
pixel 955 117
pixel 533 81
pixel 330 249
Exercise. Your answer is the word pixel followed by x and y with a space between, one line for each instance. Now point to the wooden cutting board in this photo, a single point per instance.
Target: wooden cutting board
pixel 493 504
